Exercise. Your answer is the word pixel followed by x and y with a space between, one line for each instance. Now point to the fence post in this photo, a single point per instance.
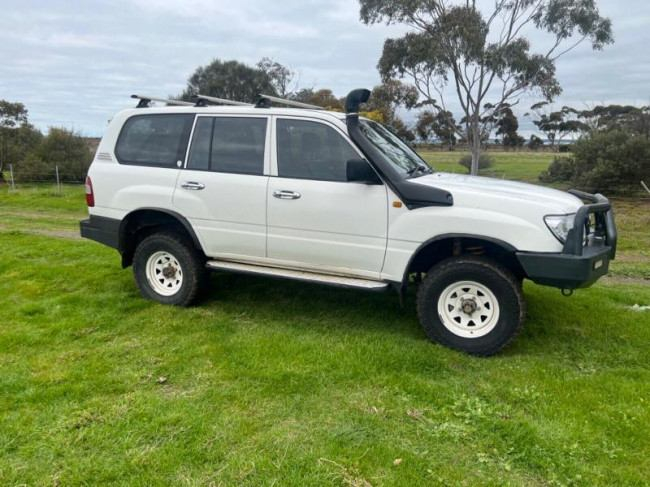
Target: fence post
pixel 11 176
pixel 58 181
pixel 645 186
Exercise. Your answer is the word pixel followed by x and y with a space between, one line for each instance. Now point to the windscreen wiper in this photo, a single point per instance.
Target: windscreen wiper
pixel 423 169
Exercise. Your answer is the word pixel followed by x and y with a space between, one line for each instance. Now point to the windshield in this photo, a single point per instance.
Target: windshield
pixel 403 159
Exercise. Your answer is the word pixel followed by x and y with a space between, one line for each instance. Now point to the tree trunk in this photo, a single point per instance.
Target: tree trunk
pixel 475 146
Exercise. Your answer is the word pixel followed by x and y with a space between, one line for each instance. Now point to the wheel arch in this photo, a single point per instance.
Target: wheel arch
pixel 441 247
pixel 142 222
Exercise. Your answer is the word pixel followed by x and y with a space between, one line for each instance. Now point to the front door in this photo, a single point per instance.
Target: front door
pixel 316 218
pixel 222 189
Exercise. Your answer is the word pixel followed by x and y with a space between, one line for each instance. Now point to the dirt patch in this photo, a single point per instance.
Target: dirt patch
pixel 69 234
pixel 639 281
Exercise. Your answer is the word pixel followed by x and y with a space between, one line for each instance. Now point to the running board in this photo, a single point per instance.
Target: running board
pixel 340 281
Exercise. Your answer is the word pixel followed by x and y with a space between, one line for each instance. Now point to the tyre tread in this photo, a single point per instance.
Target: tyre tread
pixel 452 264
pixel 195 271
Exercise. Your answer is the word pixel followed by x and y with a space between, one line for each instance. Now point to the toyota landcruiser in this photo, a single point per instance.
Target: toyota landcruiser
pixel 333 198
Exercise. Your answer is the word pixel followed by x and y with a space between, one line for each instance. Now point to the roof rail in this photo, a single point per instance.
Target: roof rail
pixel 219 101
pixel 145 100
pixel 264 101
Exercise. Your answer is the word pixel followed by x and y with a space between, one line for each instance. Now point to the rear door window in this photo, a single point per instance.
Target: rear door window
pixel 154 140
pixel 229 144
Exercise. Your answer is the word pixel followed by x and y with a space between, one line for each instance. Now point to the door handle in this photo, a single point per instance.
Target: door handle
pixel 192 185
pixel 286 195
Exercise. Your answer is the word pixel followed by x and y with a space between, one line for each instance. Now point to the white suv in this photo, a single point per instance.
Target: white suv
pixel 336 199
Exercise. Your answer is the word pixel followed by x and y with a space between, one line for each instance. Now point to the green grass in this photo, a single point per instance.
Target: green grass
pixel 281 383
pixel 520 166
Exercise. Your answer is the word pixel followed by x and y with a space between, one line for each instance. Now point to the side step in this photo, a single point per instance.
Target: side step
pixel 340 281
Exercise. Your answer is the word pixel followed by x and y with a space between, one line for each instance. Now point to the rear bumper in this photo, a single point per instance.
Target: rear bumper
pixel 101 229
pixel 589 248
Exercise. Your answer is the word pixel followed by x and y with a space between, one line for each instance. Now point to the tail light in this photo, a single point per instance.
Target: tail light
pixel 90 196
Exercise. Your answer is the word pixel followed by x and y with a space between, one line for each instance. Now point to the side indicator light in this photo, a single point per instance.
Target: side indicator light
pixel 397 204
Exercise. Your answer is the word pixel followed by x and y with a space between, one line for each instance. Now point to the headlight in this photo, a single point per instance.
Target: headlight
pixel 560 225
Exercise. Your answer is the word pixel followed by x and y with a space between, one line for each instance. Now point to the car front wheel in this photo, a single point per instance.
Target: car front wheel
pixel 471 304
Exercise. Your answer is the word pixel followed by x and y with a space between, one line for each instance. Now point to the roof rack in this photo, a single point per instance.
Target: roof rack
pixel 145 100
pixel 264 101
pixel 219 101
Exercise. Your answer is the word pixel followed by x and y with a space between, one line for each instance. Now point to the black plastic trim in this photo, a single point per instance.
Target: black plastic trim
pixel 601 207
pixel 181 219
pixel 450 236
pixel 566 271
pixel 101 229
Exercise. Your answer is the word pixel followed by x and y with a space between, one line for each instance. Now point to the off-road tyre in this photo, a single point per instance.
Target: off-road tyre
pixel 184 257
pixel 490 277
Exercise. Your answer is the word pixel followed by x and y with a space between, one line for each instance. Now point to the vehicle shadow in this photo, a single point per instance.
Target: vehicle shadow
pixel 301 305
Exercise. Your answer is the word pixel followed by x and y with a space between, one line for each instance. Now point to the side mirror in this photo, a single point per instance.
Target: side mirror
pixel 359 171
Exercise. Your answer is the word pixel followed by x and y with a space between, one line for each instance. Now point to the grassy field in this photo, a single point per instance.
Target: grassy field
pixel 282 383
pixel 519 166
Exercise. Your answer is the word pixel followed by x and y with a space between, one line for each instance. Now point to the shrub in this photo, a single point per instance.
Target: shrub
pixel 484 161
pixel 62 148
pixel 535 143
pixel 561 169
pixel 614 161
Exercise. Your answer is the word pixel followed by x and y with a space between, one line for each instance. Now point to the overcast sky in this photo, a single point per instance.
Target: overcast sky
pixel 75 63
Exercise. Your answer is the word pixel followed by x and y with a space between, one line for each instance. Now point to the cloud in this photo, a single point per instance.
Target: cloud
pixel 76 63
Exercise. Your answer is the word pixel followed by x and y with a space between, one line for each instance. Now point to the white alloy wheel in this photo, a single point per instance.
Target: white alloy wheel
pixel 164 273
pixel 468 309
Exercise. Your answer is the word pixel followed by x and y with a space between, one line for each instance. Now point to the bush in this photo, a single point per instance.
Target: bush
pixel 614 161
pixel 535 143
pixel 62 148
pixel 561 169
pixel 484 162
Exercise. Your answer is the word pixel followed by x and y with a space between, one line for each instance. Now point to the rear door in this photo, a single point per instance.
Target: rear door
pixel 316 218
pixel 222 189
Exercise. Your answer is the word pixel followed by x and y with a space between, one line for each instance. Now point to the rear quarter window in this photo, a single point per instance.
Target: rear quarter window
pixel 158 140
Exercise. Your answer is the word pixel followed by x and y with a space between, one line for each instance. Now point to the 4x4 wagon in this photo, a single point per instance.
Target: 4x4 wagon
pixel 333 198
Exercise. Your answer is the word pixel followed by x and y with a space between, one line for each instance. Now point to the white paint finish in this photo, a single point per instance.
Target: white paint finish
pixel 508 192
pixel 468 309
pixel 501 210
pixel 229 215
pixel 126 187
pixel 332 224
pixel 299 275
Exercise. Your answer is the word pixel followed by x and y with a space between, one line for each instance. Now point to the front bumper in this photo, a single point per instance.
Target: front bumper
pixel 589 248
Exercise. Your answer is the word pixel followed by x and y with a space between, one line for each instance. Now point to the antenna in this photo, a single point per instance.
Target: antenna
pixel 264 99
pixel 145 100
pixel 220 101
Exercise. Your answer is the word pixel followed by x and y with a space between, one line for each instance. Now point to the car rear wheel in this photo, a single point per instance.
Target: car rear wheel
pixel 471 304
pixel 168 269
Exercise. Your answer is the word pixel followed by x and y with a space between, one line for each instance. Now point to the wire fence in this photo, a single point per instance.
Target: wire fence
pixel 54 177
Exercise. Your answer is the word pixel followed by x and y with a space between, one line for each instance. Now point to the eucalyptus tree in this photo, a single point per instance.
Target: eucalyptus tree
pixel 557 125
pixel 281 76
pixel 481 53
pixel 440 124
